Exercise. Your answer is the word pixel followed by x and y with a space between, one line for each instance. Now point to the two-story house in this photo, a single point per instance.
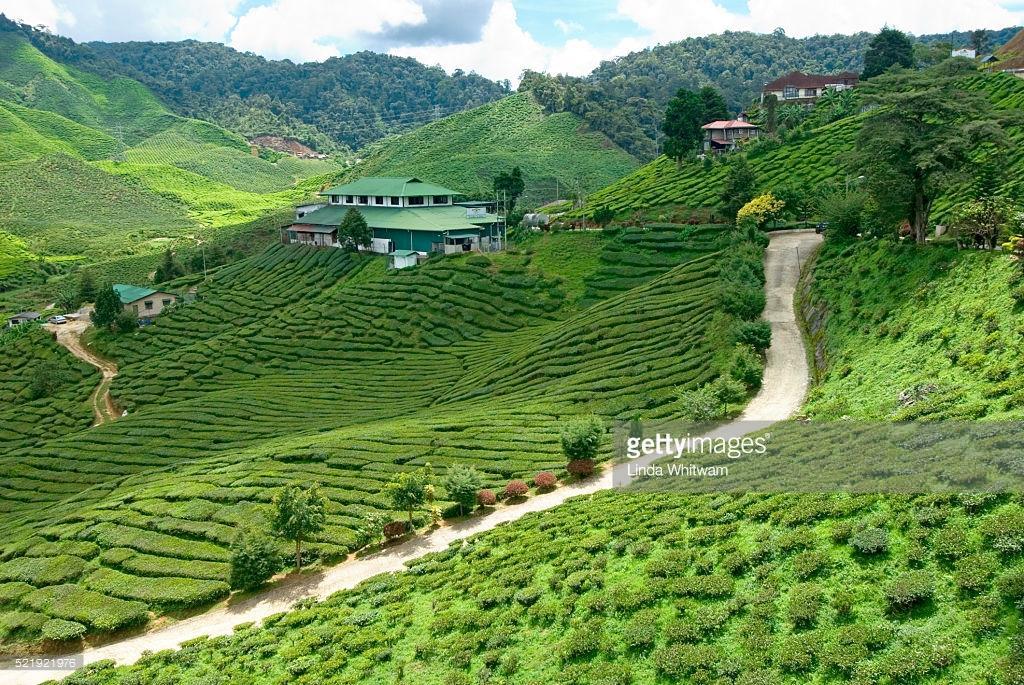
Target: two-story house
pixel 797 87
pixel 727 135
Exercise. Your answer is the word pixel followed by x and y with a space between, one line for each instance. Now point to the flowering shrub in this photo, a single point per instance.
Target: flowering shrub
pixel 516 488
pixel 545 480
pixel 486 498
pixel 760 210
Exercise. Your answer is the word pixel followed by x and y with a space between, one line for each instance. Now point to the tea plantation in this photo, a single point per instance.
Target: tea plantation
pixel 644 589
pixel 805 161
pixel 302 364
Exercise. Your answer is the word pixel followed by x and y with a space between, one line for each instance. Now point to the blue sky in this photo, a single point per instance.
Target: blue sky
pixel 496 38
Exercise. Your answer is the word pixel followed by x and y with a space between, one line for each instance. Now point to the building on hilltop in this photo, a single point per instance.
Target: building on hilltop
pixel 144 303
pixel 799 88
pixel 405 214
pixel 22 317
pixel 725 136
pixel 969 53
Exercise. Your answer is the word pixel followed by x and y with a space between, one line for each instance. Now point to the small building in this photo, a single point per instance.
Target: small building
pixel 403 214
pixel 725 136
pixel 969 53
pixel 797 87
pixel 402 259
pixel 22 317
pixel 144 303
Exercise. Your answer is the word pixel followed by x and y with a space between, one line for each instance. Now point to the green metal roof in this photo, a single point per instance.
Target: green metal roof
pixel 131 293
pixel 444 218
pixel 402 253
pixel 398 186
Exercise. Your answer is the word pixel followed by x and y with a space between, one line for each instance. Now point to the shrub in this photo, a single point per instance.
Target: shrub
pixel 42 570
pixel 580 468
pixel 62 631
pixel 528 596
pixel 974 572
pixel 806 564
pixel 1011 584
pixel 952 543
pixel 516 488
pixel 583 640
pixel 90 608
pixel 729 390
pixel 910 589
pixel 756 334
pixel 395 529
pixel 581 438
pixel 701 405
pixel 545 480
pixel 462 484
pixel 486 498
pixel 870 541
pixel 746 366
pixel 254 560
pixel 642 630
pixel 804 604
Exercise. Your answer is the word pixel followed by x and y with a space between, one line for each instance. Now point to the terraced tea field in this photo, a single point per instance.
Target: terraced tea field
pixel 304 364
pixel 652 589
pixel 806 162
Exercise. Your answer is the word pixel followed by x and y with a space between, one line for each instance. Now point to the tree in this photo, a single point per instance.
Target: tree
pixel 979 40
pixel 508 187
pixel 888 49
pixel 169 268
pixel 714 105
pixel 354 232
pixel 759 211
pixel 603 215
pixel 47 378
pixel 462 483
pixel 86 286
pixel 581 438
pixel 67 297
pixel 923 139
pixel 107 307
pixel 739 185
pixel 254 560
pixel 408 491
pixel 296 514
pixel 796 202
pixel 982 222
pixel 682 126
pixel 771 112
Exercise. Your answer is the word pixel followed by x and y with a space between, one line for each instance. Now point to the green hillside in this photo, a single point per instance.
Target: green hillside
pixel 656 589
pixel 70 139
pixel 466 151
pixel 807 160
pixel 319 365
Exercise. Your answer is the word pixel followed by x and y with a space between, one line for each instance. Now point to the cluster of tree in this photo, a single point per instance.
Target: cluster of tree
pixel 508 186
pixel 353 100
pixel 686 113
pixel 109 313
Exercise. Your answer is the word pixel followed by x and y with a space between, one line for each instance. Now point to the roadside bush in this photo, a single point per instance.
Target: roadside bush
pixel 545 480
pixel 254 560
pixel 746 366
pixel 395 529
pixel 910 589
pixel 580 468
pixel 870 541
pixel 486 498
pixel 701 405
pixel 729 390
pixel 581 438
pixel 62 631
pixel 756 334
pixel 516 488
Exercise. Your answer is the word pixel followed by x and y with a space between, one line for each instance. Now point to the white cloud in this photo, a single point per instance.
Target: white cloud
pixel 36 12
pixel 306 30
pixel 568 27
pixel 668 20
pixel 505 49
pixel 114 20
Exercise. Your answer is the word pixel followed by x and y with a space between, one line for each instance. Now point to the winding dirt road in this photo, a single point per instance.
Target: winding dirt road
pixel 786 381
pixel 70 336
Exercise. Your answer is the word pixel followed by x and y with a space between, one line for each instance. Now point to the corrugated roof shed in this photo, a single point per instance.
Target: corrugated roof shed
pixel 131 293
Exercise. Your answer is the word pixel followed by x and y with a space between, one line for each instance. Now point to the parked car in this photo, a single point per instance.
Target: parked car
pixel 58 319
pixel 820 228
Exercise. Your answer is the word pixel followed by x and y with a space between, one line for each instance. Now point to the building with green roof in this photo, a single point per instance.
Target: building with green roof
pixel 405 214
pixel 144 303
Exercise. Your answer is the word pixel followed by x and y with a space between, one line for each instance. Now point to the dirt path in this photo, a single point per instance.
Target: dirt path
pixel 70 336
pixel 785 384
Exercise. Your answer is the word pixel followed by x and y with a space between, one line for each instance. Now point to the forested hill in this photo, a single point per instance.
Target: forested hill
pixel 344 101
pixel 625 98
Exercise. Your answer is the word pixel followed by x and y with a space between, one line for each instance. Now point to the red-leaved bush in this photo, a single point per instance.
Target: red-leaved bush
pixel 486 498
pixel 545 480
pixel 395 529
pixel 581 468
pixel 516 488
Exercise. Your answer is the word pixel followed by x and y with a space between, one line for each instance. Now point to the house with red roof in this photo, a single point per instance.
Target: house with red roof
pixel 727 135
pixel 797 87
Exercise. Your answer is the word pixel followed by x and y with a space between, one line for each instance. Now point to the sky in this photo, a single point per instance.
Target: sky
pixel 495 38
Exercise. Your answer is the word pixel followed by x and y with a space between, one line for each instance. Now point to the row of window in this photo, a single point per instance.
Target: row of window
pixel 148 304
pixel 389 201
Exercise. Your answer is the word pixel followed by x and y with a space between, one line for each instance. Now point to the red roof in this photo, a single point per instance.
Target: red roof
pixel 731 123
pixel 798 79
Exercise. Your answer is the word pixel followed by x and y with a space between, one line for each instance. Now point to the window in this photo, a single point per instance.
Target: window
pixel 291 236
pixel 790 92
pixel 416 200
pixel 166 302
pixel 440 199
pixel 810 92
pixel 335 199
pixel 350 199
pixel 395 201
pixel 364 199
pixel 148 304
pixel 378 200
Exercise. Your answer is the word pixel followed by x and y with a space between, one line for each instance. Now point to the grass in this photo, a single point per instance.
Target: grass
pixel 303 364
pixel 467 150
pixel 943 332
pixel 652 589
pixel 667 190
